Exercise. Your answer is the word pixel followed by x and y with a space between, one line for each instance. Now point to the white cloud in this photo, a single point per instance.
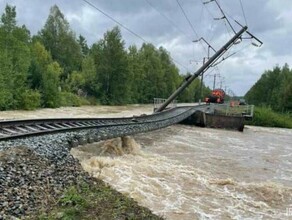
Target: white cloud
pixel 268 20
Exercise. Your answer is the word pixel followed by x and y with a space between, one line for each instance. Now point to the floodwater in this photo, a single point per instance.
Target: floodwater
pixel 78 112
pixel 184 172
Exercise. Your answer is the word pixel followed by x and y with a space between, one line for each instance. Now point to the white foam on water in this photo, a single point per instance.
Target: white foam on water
pixel 183 173
pixel 177 191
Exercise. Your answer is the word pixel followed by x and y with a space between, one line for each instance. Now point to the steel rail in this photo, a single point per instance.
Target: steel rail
pixel 13 129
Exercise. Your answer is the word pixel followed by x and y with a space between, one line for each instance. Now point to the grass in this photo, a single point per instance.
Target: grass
pixel 95 201
pixel 266 117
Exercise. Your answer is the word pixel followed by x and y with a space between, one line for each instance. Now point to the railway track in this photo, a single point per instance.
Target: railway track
pixel 105 127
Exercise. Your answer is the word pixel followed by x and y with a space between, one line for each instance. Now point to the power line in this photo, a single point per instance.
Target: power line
pixel 201 14
pixel 251 36
pixel 212 16
pixel 184 13
pixel 230 35
pixel 207 9
pixel 228 31
pixel 222 12
pixel 230 55
pixel 128 29
pixel 225 20
pixel 224 16
pixel 191 25
pixel 168 19
pixel 241 5
pixel 114 20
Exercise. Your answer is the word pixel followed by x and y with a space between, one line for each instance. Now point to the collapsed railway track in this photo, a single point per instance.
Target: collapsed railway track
pixel 105 128
pixel 35 155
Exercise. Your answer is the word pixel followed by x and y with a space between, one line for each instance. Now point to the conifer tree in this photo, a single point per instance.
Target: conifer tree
pixel 61 42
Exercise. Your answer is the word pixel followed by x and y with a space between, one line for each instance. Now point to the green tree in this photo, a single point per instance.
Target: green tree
pixel 285 90
pixel 40 59
pixel 192 92
pixel 152 78
pixel 273 89
pixel 8 19
pixel 91 81
pixel 44 75
pixel 111 62
pixel 15 60
pixel 86 81
pixel 171 77
pixel 136 75
pixel 83 45
pixel 50 85
pixel 60 41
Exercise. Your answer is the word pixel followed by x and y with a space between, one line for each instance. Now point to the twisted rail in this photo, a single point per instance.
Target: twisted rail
pixel 104 128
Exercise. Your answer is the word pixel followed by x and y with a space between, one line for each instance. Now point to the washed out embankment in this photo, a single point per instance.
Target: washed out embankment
pixel 36 183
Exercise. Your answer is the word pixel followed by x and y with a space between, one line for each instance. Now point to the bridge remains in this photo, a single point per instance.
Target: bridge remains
pixel 222 116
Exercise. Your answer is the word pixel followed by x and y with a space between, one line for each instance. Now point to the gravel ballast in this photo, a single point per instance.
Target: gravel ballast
pixel 36 171
pixel 30 182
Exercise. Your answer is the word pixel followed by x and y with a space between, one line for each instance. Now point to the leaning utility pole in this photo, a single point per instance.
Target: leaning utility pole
pixel 202 79
pixel 203 69
pixel 214 82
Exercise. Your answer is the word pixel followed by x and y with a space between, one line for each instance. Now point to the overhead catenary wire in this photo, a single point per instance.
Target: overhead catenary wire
pixel 172 23
pixel 228 30
pixel 244 16
pixel 230 55
pixel 226 20
pixel 213 19
pixel 168 19
pixel 128 29
pixel 114 20
pixel 229 33
pixel 190 23
pixel 185 15
pixel 204 3
pixel 201 14
pixel 217 73
pixel 251 36
pixel 224 16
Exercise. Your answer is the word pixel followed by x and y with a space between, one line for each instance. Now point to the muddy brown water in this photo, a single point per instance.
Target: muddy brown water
pixel 184 172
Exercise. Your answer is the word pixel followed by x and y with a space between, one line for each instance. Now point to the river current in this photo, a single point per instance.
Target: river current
pixel 185 172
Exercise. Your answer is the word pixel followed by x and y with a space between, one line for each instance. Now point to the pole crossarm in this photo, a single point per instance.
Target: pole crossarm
pixel 202 69
pixel 209 46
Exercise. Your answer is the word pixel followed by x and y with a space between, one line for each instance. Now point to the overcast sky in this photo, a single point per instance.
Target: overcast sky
pixel 162 23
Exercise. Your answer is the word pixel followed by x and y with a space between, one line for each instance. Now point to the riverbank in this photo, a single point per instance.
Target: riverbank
pixel 35 187
pixel 37 184
pixel 268 118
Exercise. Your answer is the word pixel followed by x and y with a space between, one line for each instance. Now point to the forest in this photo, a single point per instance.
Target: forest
pixel 55 68
pixel 273 90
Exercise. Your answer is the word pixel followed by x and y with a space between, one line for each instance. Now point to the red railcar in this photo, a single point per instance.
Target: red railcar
pixel 217 96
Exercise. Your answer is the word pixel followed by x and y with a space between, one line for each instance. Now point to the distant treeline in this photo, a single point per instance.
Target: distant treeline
pixel 55 68
pixel 273 90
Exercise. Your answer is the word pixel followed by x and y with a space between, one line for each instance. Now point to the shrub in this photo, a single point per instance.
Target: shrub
pixel 268 118
pixel 70 99
pixel 31 100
